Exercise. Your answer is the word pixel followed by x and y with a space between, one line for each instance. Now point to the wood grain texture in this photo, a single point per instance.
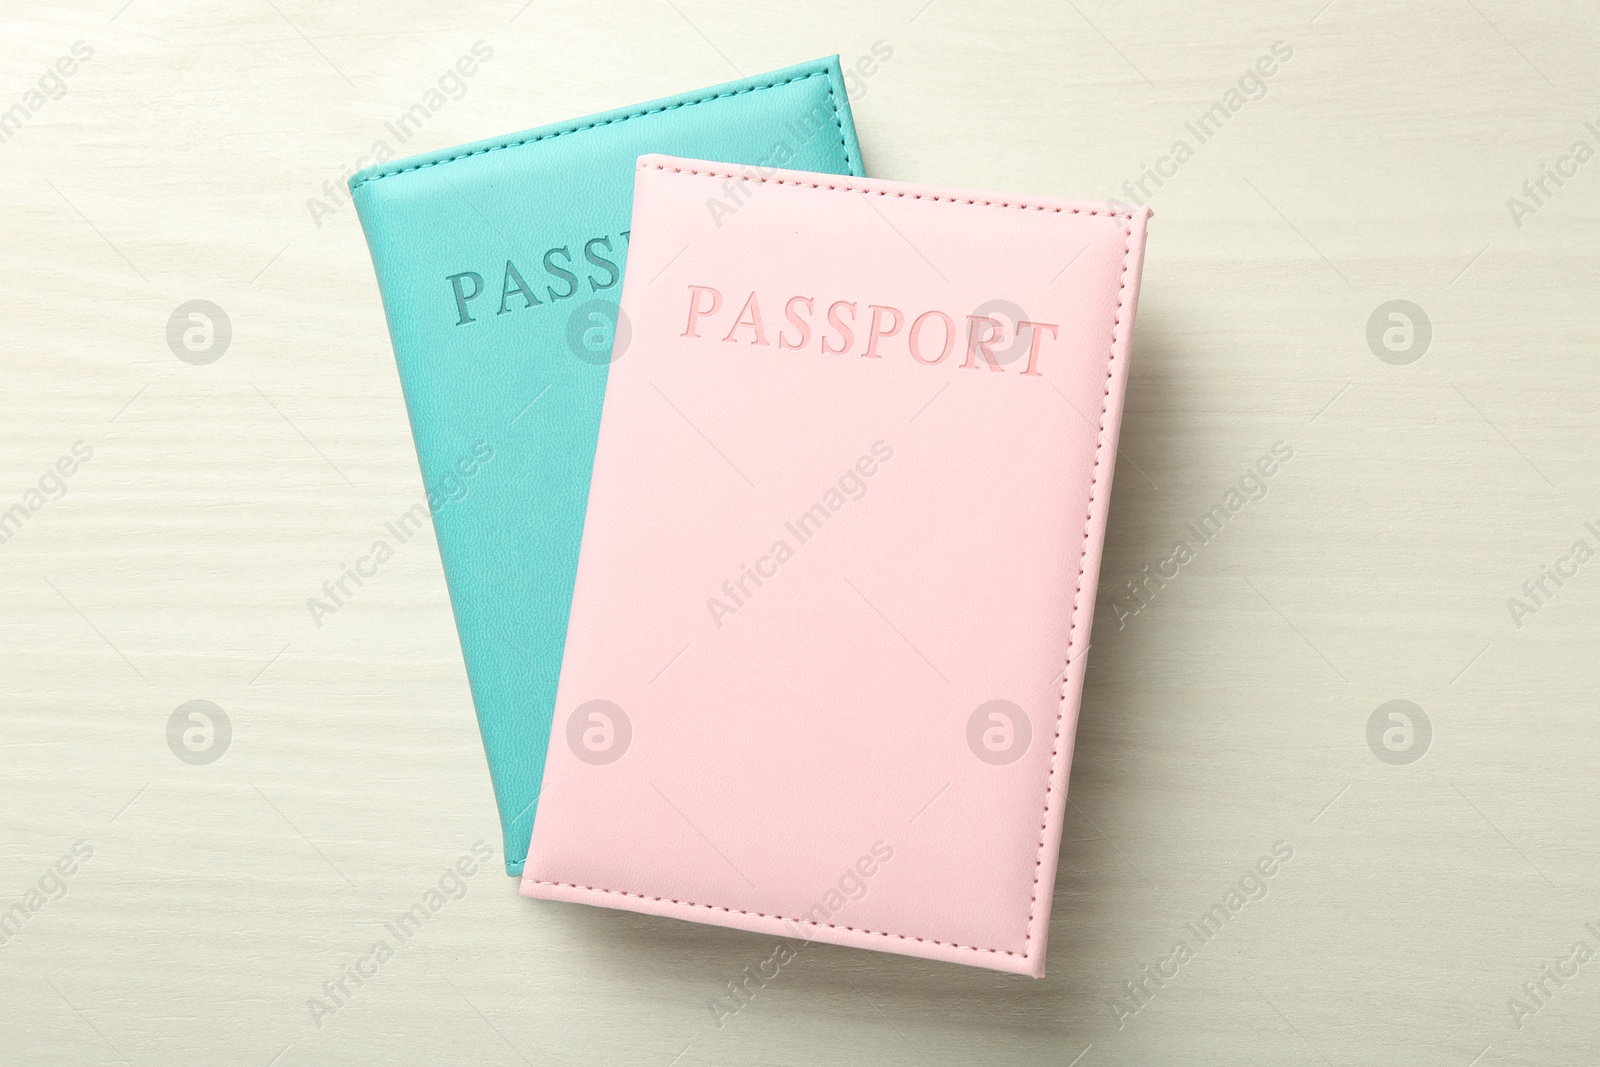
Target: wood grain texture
pixel 1228 714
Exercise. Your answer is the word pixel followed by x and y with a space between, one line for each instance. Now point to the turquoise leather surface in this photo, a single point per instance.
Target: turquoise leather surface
pixel 500 265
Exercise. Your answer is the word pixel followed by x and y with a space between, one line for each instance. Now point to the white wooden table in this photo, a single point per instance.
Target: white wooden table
pixel 1440 460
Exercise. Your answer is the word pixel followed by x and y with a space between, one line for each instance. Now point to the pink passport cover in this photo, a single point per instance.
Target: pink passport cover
pixel 826 649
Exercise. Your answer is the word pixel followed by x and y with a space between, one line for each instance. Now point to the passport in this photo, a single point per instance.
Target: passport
pixel 500 264
pixel 833 606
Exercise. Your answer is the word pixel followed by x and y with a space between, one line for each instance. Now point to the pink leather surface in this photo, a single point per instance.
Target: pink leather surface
pixel 803 760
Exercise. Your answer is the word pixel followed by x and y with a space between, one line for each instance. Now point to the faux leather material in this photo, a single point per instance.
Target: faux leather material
pixel 813 565
pixel 523 386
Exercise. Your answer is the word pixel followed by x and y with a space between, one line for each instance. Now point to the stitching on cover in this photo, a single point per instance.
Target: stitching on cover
pixel 838 124
pixel 1021 205
pixel 1072 635
pixel 1088 522
pixel 784 918
pixel 833 105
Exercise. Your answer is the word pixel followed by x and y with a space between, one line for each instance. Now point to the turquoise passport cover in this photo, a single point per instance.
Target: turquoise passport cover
pixel 500 265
